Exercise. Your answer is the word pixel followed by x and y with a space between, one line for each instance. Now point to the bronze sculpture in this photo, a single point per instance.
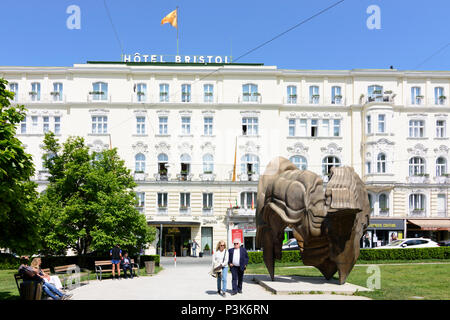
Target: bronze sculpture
pixel 327 224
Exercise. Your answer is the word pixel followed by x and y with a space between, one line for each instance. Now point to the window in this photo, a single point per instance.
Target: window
pixel 185 125
pixel 314 127
pixel 100 91
pixel 250 92
pixel 14 87
pixel 207 200
pixel 162 125
pixel 162 200
pixel 140 163
pixel 381 163
pixel 336 96
pixel 99 124
pixel 314 94
pixel 325 129
pixel 416 98
pixel 248 200
pixel 162 169
pixel 368 167
pixel 292 127
pixel 328 163
pixel 57 123
pixel 45 124
pixel 381 123
pixel 140 125
pixel 441 166
pixel 416 166
pixel 369 124
pixel 207 126
pixel 249 164
pixel 370 201
pixel 23 125
pixel 417 202
pixel 303 128
pixel 439 97
pixel 208 93
pixel 185 200
pixel 440 128
pixel 249 126
pixel 140 197
pixel 375 93
pixel 34 123
pixel 57 91
pixel 141 92
pixel 185 160
pixel 208 163
pixel 35 91
pixel 299 161
pixel 416 128
pixel 336 128
pixel 441 205
pixel 292 94
pixel 186 93
pixel 163 92
pixel 383 202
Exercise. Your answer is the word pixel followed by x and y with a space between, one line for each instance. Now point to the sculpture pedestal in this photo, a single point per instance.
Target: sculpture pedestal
pixel 305 285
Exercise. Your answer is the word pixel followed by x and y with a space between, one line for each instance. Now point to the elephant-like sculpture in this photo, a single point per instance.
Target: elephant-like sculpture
pixel 328 224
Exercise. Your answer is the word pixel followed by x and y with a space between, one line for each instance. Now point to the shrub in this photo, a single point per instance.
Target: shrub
pixel 8 261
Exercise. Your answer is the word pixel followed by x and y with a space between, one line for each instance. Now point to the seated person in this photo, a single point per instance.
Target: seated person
pixel 126 265
pixel 54 280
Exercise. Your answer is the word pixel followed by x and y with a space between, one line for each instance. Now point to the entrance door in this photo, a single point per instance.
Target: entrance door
pixel 206 240
pixel 169 245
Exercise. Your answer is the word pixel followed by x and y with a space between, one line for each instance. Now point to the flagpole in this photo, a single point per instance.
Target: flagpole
pixel 177 30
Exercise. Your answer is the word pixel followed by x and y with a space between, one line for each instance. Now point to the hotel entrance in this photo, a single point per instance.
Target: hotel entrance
pixel 175 239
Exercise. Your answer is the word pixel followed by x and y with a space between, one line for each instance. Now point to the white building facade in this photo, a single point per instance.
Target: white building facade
pixel 178 127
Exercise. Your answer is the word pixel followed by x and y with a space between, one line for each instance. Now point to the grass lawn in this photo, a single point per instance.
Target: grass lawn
pixel 8 288
pixel 398 282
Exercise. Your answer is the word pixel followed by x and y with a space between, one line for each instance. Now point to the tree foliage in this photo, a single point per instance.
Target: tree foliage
pixel 18 218
pixel 89 204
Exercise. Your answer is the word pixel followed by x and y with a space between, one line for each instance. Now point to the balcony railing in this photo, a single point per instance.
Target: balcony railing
pixel 185 211
pixel 417 212
pixel 162 210
pixel 162 176
pixel 418 179
pixel 442 179
pixel 207 176
pixel 184 176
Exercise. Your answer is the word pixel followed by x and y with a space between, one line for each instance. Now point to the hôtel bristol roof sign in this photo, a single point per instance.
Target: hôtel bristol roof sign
pixel 137 57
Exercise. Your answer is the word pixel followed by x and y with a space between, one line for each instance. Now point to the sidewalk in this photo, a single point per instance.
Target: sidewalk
pixel 189 280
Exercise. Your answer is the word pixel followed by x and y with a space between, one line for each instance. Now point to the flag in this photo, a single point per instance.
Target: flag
pixel 252 204
pixel 171 18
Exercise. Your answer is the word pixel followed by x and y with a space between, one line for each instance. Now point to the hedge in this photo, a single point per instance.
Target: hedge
pixel 8 261
pixel 368 254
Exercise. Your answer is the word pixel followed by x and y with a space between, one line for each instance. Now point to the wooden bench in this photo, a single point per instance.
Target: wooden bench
pixel 28 289
pixel 102 267
pixel 62 270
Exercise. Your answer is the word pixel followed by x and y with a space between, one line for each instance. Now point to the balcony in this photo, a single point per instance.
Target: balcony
pixel 184 176
pixel 248 177
pixel 381 98
pixel 241 211
pixel 383 212
pixel 207 176
pixel 417 213
pixel 140 176
pixel 162 210
pixel 162 176
pixel 254 97
pixel 207 211
pixel 186 211
pixel 444 179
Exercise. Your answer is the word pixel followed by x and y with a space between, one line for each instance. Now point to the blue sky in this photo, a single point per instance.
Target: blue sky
pixel 34 33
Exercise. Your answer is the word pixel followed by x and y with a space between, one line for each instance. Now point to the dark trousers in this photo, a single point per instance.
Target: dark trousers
pixel 125 268
pixel 237 275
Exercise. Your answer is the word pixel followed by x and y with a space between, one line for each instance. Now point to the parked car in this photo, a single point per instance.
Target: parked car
pixel 410 243
pixel 292 244
pixel 444 243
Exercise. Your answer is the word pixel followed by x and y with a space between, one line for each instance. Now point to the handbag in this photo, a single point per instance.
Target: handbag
pixel 217 268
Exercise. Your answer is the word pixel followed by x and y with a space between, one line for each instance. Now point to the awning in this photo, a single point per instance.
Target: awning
pixel 378 189
pixel 432 224
pixel 175 223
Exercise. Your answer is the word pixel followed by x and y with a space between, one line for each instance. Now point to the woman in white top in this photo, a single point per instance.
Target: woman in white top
pixel 36 264
pixel 220 257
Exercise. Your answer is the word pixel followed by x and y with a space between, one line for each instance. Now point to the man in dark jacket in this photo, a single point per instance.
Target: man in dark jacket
pixel 238 260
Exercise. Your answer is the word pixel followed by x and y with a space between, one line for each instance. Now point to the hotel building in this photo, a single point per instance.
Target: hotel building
pixel 178 127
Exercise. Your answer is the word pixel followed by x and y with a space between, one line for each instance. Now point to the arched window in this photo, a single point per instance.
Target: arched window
pixel 417 204
pixel 140 162
pixel 250 164
pixel 328 163
pixel 208 163
pixel 370 201
pixel 250 92
pixel 383 203
pixel 416 166
pixel 185 160
pixel 375 93
pixel 162 161
pixel 299 161
pixel 381 163
pixel 100 91
pixel 441 166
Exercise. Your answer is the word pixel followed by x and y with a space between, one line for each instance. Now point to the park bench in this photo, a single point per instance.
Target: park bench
pixel 102 266
pixel 28 289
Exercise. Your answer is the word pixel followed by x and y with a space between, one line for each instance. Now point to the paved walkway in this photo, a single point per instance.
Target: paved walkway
pixel 189 280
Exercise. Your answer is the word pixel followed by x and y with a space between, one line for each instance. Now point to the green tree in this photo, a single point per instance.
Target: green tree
pixel 89 204
pixel 18 218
